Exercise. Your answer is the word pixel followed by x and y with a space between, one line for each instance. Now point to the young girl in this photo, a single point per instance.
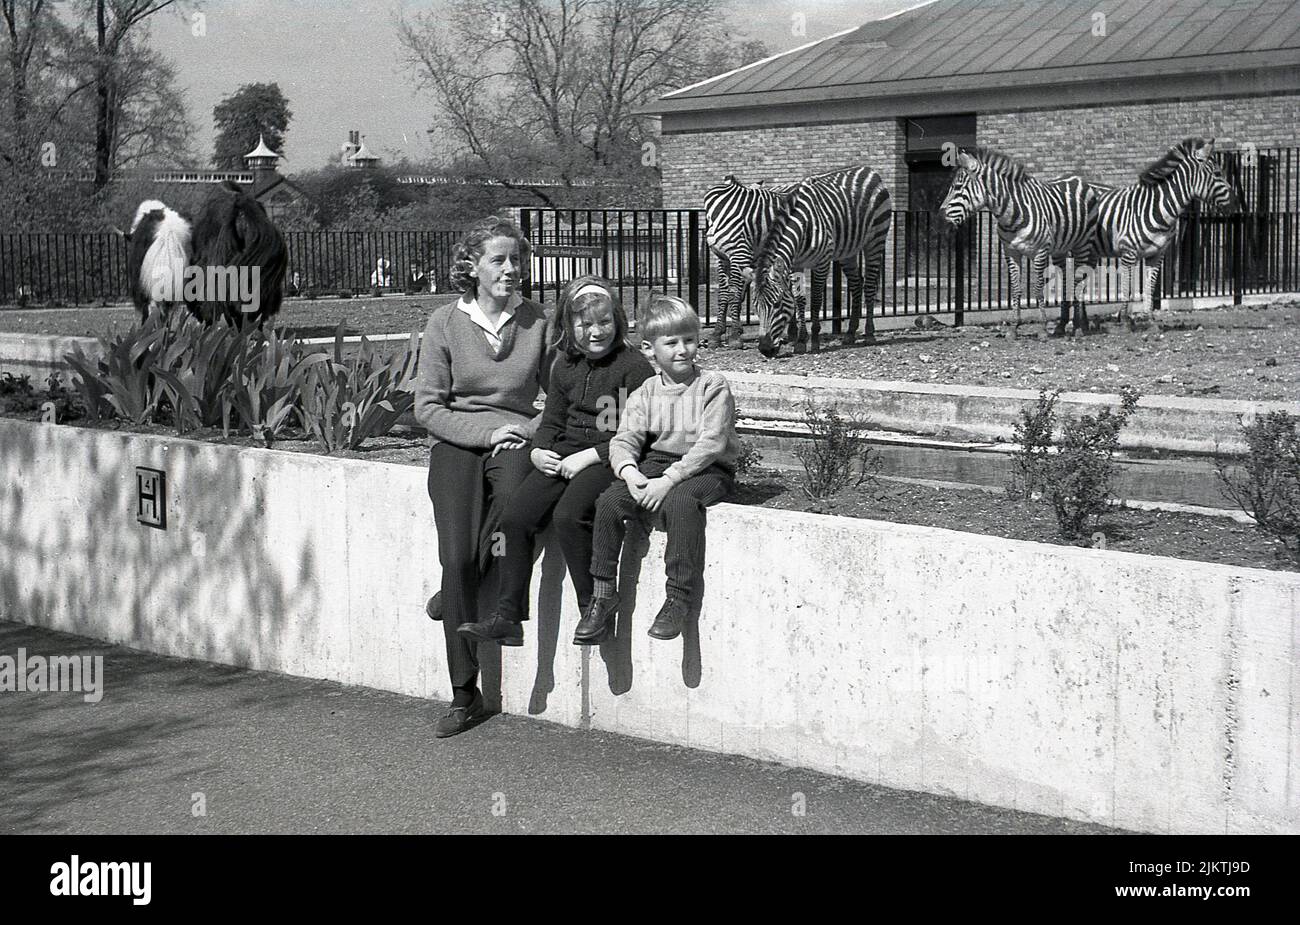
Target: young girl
pixel 594 373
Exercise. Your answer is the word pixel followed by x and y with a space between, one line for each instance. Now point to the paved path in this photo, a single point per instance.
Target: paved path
pixel 273 753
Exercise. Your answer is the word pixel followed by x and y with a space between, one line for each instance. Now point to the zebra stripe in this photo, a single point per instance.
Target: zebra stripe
pixel 841 217
pixel 737 215
pixel 1044 221
pixel 1138 223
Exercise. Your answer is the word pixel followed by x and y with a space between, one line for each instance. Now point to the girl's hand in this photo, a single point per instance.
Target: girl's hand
pixel 546 461
pixel 573 464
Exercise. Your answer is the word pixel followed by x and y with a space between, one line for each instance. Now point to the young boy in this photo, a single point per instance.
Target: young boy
pixel 675 451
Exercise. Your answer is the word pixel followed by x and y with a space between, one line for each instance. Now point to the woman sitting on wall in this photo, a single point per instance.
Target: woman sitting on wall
pixel 483 361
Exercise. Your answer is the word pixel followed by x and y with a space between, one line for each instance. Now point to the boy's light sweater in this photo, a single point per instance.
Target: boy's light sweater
pixel 694 421
pixel 464 392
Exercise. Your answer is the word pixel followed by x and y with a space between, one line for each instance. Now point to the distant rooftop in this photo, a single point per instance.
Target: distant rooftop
pixel 947 46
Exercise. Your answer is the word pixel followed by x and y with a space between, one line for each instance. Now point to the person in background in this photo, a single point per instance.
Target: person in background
pixel 483 362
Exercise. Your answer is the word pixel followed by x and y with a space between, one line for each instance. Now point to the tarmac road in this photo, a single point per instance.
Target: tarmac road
pixel 181 746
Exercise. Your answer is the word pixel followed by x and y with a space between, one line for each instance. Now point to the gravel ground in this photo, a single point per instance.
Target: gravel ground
pixel 1245 352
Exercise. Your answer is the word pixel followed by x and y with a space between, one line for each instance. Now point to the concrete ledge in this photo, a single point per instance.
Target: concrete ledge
pixel 41 355
pixel 1136 691
pixel 989 413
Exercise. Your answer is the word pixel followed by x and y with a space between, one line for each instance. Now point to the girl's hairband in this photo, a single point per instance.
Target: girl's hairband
pixel 590 288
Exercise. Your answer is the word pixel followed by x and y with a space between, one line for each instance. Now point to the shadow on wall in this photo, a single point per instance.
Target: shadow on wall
pixel 209 586
pixel 616 648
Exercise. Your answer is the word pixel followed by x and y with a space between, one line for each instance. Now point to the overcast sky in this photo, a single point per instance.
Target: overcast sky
pixel 339 63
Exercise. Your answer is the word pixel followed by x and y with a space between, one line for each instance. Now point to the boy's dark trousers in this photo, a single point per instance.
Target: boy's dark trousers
pixel 684 519
pixel 571 506
pixel 469 490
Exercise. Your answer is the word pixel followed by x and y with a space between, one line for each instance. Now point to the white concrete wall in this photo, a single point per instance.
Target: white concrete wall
pixel 1136 691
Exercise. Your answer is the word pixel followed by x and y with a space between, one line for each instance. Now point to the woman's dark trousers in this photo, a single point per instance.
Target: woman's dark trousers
pixel 469 490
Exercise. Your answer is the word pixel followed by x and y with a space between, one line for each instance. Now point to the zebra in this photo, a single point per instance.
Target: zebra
pixel 1044 221
pixel 737 214
pixel 840 217
pixel 1138 223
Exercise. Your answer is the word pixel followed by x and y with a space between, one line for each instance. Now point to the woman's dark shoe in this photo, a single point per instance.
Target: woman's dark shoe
pixel 495 628
pixel 433 606
pixel 668 624
pixel 458 719
pixel 595 622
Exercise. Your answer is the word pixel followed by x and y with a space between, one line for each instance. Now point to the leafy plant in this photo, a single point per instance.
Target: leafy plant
pixel 750 457
pixel 347 401
pixel 1033 437
pixel 121 380
pixel 1268 487
pixel 1078 476
pixel 267 385
pixel 835 457
pixel 200 363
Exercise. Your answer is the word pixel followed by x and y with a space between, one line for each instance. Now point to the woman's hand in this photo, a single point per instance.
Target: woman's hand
pixel 508 437
pixel 546 461
pixel 574 463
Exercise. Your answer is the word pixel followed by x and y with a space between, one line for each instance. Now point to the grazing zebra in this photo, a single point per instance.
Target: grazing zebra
pixel 841 217
pixel 1138 223
pixel 1045 222
pixel 737 214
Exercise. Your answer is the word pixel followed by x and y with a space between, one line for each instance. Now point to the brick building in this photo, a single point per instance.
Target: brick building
pixel 1097 89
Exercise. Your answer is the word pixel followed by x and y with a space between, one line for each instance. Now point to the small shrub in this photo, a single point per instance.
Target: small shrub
pixel 345 293
pixel 121 381
pixel 1078 476
pixel 198 369
pixel 267 386
pixel 345 402
pixel 750 457
pixel 1268 488
pixel 834 457
pixel 1033 437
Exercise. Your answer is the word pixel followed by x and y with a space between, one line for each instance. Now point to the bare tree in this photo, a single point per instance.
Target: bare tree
pixel 553 85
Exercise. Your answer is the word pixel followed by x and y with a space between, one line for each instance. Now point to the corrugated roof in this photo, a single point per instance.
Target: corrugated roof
pixel 1002 41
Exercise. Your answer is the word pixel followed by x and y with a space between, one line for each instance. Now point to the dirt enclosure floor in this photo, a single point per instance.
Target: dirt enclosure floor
pixel 1243 352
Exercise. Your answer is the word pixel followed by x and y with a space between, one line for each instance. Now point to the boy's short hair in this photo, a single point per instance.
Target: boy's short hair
pixel 667 315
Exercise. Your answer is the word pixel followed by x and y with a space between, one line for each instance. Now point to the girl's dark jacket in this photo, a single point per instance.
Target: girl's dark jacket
pixel 586 398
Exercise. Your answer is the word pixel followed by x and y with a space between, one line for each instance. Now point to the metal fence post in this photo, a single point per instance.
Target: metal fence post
pixel 1237 282
pixel 526 226
pixel 693 262
pixel 959 278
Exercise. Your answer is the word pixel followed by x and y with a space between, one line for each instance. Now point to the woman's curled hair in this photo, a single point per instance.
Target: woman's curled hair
pixel 466 254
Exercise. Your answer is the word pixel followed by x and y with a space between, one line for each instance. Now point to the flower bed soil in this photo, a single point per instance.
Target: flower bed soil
pixel 1182 536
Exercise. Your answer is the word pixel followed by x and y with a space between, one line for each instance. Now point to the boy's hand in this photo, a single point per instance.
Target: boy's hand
pixel 655 491
pixel 635 481
pixel 546 461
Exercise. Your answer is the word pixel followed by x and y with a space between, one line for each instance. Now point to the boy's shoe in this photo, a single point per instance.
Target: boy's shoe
pixel 495 628
pixel 595 622
pixel 433 606
pixel 668 623
pixel 458 719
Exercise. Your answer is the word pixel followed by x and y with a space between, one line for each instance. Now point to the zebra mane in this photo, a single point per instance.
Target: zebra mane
pixel 1164 167
pixel 1002 164
pixel 763 255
